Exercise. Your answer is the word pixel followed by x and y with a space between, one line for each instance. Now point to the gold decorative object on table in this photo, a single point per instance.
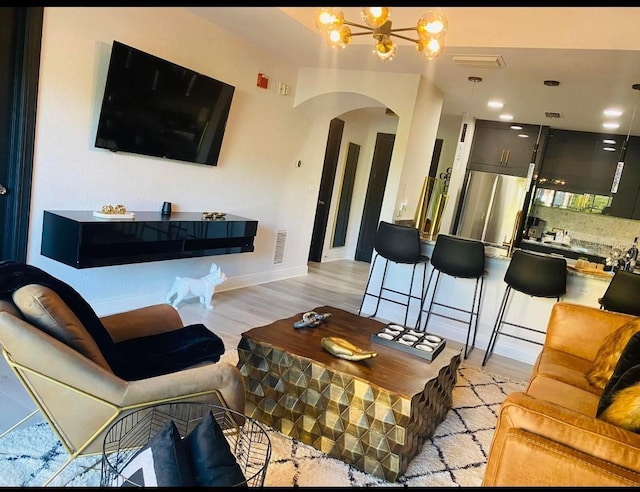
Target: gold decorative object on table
pixel 213 215
pixel 346 350
pixel 114 212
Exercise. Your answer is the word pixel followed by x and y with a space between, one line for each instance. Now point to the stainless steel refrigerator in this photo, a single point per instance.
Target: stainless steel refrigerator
pixel 490 206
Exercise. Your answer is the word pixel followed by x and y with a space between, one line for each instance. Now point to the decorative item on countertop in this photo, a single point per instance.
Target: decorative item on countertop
pixel 311 320
pixel 166 208
pixel 424 345
pixel 346 350
pixel 114 212
pixel 614 261
pixel 204 287
pixel 632 256
pixel 213 215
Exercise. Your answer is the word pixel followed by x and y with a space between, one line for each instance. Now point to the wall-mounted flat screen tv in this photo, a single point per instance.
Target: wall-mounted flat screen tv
pixel 157 108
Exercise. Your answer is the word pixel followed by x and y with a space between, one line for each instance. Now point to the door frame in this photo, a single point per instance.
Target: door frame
pixel 325 191
pixel 380 164
pixel 20 140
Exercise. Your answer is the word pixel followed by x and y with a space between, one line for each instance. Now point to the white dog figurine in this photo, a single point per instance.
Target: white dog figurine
pixel 203 288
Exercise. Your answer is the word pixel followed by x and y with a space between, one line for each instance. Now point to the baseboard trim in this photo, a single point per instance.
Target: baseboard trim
pixel 232 283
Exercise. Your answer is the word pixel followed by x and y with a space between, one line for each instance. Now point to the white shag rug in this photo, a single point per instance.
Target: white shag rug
pixel 454 456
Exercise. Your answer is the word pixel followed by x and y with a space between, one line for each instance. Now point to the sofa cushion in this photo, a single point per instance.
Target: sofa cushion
pixel 44 309
pixel 609 353
pixel 162 462
pixel 213 464
pixel 620 400
pixel 564 395
pixel 14 275
pixel 564 367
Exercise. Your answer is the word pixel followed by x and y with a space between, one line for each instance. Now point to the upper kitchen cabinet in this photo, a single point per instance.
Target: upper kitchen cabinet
pixel 500 148
pixel 626 201
pixel 580 162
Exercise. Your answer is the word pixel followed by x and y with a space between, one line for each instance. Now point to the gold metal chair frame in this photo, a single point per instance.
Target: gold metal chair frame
pixel 19 369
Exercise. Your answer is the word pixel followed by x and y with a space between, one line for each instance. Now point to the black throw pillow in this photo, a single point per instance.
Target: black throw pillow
pixel 620 400
pixel 161 463
pixel 213 464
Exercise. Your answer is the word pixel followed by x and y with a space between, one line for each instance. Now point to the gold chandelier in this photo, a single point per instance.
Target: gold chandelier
pixel 430 29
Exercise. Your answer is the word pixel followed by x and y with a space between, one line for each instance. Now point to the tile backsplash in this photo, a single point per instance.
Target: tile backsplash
pixel 585 227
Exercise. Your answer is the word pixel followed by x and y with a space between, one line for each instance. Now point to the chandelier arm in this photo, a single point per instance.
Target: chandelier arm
pixel 403 29
pixel 360 33
pixel 404 37
pixel 361 26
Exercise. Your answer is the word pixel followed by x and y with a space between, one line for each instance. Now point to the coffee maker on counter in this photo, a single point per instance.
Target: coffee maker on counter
pixel 535 228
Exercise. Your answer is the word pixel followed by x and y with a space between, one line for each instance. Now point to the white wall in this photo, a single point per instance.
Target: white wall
pixel 256 177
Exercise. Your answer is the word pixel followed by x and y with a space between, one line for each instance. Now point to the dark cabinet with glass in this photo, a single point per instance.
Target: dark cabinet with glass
pixel 626 201
pixel 505 148
pixel 580 162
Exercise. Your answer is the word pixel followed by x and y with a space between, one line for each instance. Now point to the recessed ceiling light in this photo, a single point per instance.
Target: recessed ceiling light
pixel 609 141
pixel 506 117
pixel 612 112
pixel 516 127
pixel 610 125
pixel 608 149
pixel 523 135
pixel 495 104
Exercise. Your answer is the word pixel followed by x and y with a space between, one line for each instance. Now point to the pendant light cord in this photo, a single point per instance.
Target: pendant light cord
pixel 633 117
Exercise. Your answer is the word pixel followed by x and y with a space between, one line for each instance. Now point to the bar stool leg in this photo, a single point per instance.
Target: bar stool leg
pixel 496 326
pixel 366 289
pixel 422 295
pixel 433 296
pixel 406 311
pixel 474 312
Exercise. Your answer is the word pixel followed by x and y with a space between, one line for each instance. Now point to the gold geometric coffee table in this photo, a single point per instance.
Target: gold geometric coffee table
pixel 375 414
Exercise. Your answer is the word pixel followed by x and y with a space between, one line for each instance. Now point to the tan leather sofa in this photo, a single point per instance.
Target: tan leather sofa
pixel 548 435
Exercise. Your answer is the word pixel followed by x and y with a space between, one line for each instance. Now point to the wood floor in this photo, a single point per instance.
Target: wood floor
pixel 337 283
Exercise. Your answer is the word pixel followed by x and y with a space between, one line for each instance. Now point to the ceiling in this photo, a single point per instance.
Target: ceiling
pixel 594 52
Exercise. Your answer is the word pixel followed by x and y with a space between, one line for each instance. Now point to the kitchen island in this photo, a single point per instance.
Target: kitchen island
pixel 582 288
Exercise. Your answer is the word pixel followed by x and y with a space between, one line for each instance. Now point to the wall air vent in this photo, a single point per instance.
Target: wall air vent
pixel 281 241
pixel 552 114
pixel 479 61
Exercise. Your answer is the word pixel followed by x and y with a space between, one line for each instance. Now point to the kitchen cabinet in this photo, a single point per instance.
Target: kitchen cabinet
pixel 626 202
pixel 579 162
pixel 497 148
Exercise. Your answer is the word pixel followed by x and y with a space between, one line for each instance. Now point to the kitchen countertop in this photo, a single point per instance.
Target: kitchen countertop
pixel 501 254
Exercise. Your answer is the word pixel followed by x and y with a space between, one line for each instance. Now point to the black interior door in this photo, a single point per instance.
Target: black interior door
pixel 375 192
pixel 20 38
pixel 326 189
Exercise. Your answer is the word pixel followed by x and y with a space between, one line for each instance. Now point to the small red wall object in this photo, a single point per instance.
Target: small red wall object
pixel 263 81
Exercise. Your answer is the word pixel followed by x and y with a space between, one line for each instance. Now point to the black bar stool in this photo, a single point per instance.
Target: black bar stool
pixel 398 244
pixel 535 275
pixel 460 258
pixel 622 294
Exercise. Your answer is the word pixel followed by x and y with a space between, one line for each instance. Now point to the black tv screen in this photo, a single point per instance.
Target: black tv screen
pixel 157 108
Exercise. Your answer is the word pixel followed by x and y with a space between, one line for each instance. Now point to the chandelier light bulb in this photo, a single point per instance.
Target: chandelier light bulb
pixel 386 49
pixel 339 38
pixel 431 24
pixel 430 48
pixel 328 19
pixel 375 16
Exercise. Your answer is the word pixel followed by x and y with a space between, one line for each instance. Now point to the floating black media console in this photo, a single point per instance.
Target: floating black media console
pixel 80 240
